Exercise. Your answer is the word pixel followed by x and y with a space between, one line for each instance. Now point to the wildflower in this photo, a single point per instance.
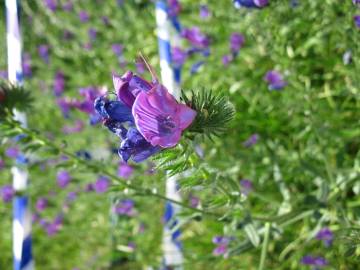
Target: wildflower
pixel 59 83
pixel 253 139
pixel 246 186
pixel 117 49
pixel 68 6
pixel 159 118
pixel 204 12
pixel 41 204
pixel 174 7
pixel 71 196
pixel 125 208
pixel 194 201
pixel 44 52
pixel 314 261
pixel 7 193
pixel 226 59
pixel 51 4
pixel 178 56
pixel 326 236
pixel 26 65
pixel 275 80
pixel 12 152
pixel 55 226
pixel 195 37
pixel 236 42
pixel 357 21
pixel 101 185
pixel 222 243
pixel 84 16
pixel 63 179
pixel 250 3
pixel 125 170
pixel 92 33
pixel 140 68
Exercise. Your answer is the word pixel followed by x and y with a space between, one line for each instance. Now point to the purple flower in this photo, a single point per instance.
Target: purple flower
pixel 253 139
pixel 356 2
pixel 55 226
pixel 26 65
pixel 89 187
pixel 44 52
pixel 178 56
pixel 174 7
pixel 204 12
pixel 125 208
pixel 101 185
pixel 63 179
pixel 140 68
pixel 125 170
pixel 64 105
pixel 59 83
pixel 314 261
pixel 51 4
pixel 246 186
pixel 68 6
pixel 2 164
pixel 275 80
pixel 3 74
pixel 194 201
pixel 357 20
pixel 83 16
pixel 41 204
pixel 92 33
pixel 326 236
pixel 195 37
pixel 226 59
pixel 71 196
pixel 105 20
pixel 236 42
pixel 78 127
pixel 7 193
pixel 12 152
pixel 250 3
pixel 117 49
pixel 160 118
pixel 222 243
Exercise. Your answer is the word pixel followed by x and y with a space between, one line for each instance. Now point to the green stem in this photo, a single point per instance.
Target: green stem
pixel 265 245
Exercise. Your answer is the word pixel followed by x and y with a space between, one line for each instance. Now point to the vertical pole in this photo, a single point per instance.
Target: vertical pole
pixel 173 257
pixel 22 253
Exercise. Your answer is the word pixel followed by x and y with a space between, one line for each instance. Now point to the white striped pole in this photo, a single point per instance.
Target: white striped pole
pixel 21 210
pixel 172 249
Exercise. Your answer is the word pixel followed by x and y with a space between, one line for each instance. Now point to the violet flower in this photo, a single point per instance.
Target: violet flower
pixel 12 152
pixel 194 201
pixel 326 236
pixel 63 179
pixel 204 12
pixel 125 208
pixel 222 243
pixel 314 261
pixel 237 40
pixel 84 16
pixel 250 3
pixel 7 193
pixel 226 59
pixel 246 186
pixel 117 49
pixel 64 105
pixel 125 170
pixel 59 83
pixel 26 65
pixel 253 139
pixel 44 52
pixel 68 6
pixel 160 118
pixel 51 4
pixel 357 21
pixel 275 80
pixel 140 68
pixel 92 33
pixel 195 37
pixel 101 185
pixel 55 226
pixel 41 204
pixel 174 7
pixel 178 56
pixel 71 196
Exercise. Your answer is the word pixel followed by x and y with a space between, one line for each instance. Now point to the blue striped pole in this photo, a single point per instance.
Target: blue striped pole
pixel 172 249
pixel 21 210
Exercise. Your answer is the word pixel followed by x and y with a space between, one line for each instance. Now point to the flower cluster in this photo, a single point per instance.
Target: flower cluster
pixel 145 116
